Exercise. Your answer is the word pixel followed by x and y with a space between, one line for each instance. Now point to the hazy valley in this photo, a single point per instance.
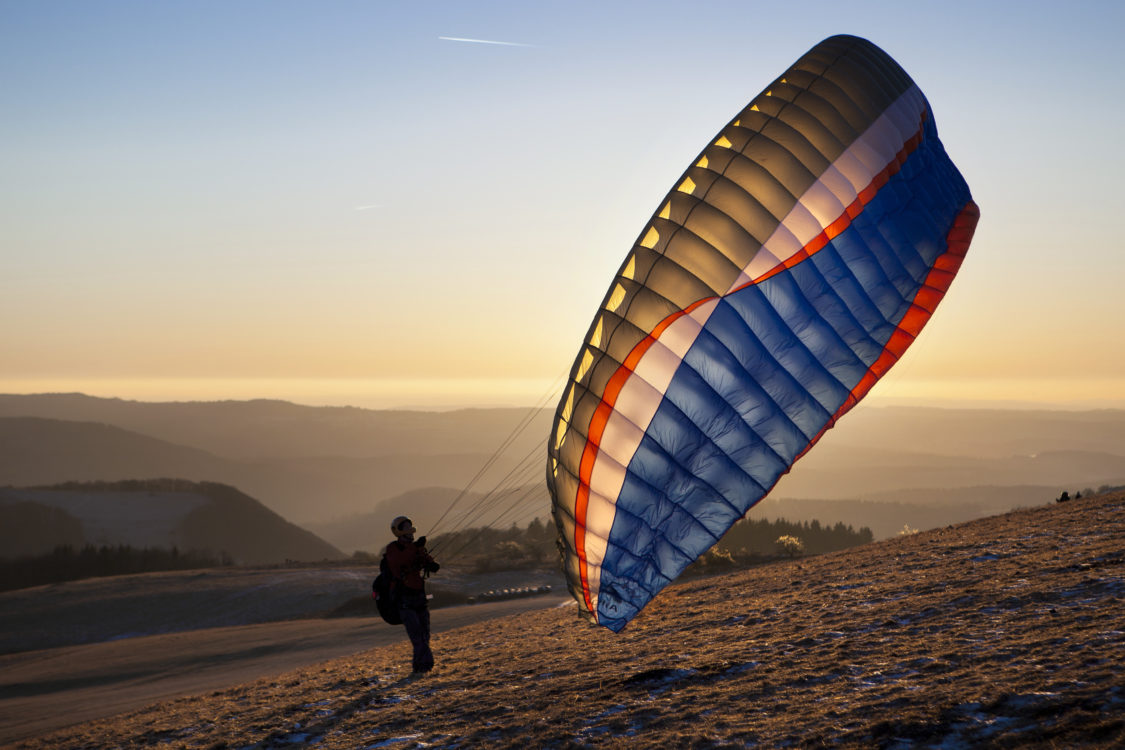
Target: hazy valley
pixel 340 472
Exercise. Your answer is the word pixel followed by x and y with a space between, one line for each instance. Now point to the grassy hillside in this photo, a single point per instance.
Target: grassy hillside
pixel 887 513
pixel 1002 632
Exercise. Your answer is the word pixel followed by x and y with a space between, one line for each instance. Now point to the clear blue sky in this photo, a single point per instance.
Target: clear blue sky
pixel 331 203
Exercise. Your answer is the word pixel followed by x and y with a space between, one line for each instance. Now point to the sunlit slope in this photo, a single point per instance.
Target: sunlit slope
pixel 1005 631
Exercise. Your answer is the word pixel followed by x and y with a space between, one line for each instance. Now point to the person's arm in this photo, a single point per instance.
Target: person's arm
pixel 428 563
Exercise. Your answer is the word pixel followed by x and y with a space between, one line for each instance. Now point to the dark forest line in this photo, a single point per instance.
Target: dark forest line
pixel 68 563
pixel 483 549
pixel 748 541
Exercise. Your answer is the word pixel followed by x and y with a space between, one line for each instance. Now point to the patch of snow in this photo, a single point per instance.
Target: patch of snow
pixel 391 742
pixel 977 725
pixel 885 599
pixel 123 636
pixel 849 586
pixel 294 739
pixel 740 668
pixel 634 728
pixel 1093 590
pixel 1027 699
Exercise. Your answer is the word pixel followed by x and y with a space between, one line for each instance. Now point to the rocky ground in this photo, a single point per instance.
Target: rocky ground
pixel 1003 632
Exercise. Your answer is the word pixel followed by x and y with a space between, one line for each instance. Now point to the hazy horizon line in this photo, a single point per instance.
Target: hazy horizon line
pixel 873 401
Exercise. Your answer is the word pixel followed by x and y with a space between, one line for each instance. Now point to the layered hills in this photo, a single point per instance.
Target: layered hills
pixel 342 472
pixel 306 463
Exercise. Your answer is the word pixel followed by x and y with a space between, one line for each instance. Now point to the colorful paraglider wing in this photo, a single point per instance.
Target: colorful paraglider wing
pixel 789 267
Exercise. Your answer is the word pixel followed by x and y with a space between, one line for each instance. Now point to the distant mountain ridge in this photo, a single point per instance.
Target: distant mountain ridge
pixel 265 429
pixel 35 451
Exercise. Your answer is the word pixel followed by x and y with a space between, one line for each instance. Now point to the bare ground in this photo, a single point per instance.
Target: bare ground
pixel 1003 632
pixel 45 690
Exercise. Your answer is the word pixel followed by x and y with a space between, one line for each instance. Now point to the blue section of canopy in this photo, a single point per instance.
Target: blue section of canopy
pixel 774 363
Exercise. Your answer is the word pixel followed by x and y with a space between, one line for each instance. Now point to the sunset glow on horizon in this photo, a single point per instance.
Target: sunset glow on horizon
pixel 386 206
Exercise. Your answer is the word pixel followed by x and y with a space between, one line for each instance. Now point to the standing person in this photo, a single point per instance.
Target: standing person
pixel 407 560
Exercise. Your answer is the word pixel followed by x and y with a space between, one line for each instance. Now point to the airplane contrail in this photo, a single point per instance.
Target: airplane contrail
pixel 482 41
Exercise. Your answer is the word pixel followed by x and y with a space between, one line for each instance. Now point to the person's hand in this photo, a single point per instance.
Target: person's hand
pixel 431 567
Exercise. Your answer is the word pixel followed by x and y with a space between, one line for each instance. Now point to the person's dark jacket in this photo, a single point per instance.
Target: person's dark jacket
pixel 406 562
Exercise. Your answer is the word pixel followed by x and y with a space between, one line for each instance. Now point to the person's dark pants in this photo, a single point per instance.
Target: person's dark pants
pixel 416 618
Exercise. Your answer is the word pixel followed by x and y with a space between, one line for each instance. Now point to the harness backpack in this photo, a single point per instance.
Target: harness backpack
pixel 385 593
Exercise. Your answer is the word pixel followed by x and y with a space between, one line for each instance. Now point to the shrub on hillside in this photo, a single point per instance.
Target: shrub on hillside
pixel 790 545
pixel 760 535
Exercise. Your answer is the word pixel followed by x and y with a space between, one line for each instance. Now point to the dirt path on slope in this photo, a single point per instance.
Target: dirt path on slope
pixel 41 691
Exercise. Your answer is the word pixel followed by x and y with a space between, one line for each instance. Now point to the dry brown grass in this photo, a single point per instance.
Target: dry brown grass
pixel 1002 632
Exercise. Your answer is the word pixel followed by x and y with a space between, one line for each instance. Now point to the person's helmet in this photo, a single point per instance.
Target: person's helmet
pixel 402 526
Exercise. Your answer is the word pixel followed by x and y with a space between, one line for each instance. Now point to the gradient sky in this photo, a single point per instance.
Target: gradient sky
pixel 350 203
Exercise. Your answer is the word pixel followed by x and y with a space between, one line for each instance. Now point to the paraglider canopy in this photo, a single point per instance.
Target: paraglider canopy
pixel 784 273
